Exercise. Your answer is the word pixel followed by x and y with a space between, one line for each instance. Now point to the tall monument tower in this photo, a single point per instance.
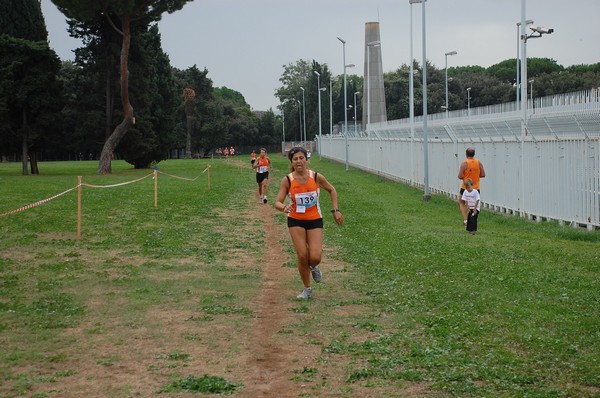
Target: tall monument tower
pixel 373 89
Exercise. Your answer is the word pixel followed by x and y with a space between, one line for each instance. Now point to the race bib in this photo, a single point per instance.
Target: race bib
pixel 304 200
pixel 262 169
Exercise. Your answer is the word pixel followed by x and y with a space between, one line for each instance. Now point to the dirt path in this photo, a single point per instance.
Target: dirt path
pixel 270 361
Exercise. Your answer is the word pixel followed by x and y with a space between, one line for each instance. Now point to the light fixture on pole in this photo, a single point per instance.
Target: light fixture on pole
pixel 355 121
pixel 319 92
pixel 447 106
pixel 518 82
pixel 345 100
pixel 373 44
pixel 304 118
pixel 537 31
pixel 468 101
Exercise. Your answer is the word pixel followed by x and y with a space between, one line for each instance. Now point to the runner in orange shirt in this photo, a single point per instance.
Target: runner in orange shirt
pixel 470 168
pixel 252 157
pixel 305 221
pixel 262 166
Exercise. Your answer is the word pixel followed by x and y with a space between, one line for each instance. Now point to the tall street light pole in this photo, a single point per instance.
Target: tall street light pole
pixel 531 94
pixel 330 112
pixel 345 101
pixel 304 111
pixel 411 95
pixel 319 92
pixel 447 106
pixel 283 130
pixel 375 43
pixel 355 121
pixel 426 195
pixel 300 117
pixel 468 101
pixel 518 82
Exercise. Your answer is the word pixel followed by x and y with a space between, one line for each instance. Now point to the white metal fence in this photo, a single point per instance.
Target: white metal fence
pixel 552 173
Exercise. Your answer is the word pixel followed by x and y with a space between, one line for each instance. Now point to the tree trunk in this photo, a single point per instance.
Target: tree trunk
pixel 111 143
pixel 110 96
pixel 24 144
pixel 33 163
pixel 188 141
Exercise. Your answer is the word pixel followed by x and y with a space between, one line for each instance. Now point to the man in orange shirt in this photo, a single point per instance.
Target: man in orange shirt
pixel 470 168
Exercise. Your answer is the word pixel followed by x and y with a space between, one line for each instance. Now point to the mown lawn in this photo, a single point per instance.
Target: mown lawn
pixel 512 311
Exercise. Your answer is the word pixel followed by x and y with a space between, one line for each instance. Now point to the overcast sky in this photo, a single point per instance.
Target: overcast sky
pixel 245 43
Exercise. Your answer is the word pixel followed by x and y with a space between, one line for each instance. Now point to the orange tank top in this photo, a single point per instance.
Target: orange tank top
pixel 472 171
pixel 263 165
pixel 305 198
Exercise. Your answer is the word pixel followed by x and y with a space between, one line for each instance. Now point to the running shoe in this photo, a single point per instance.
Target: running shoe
pixel 306 293
pixel 316 273
pixel 265 199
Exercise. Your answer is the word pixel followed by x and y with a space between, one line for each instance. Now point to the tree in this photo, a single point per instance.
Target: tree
pixel 189 98
pixel 29 88
pixel 121 15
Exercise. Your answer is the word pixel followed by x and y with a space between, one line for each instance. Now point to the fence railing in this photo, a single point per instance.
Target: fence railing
pixel 552 173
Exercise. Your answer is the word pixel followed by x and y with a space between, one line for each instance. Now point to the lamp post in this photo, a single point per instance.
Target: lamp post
pixel 468 101
pixel 411 96
pixel 319 92
pixel 373 44
pixel 330 112
pixel 355 121
pixel 300 117
pixel 531 94
pixel 447 106
pixel 345 100
pixel 518 82
pixel 304 118
pixel 330 107
pixel 283 130
pixel 426 195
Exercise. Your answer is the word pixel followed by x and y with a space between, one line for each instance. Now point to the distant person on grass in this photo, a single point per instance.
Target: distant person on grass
pixel 470 168
pixel 473 201
pixel 305 221
pixel 262 166
pixel 252 157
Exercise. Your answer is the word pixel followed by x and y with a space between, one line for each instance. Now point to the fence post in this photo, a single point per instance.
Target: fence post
pixel 78 207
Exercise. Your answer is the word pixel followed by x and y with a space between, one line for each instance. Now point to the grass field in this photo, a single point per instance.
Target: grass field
pixel 415 306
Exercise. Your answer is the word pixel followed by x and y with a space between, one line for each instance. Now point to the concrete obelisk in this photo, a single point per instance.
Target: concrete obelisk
pixel 373 89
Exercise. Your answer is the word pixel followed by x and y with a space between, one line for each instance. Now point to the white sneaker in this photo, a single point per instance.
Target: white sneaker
pixel 306 293
pixel 265 199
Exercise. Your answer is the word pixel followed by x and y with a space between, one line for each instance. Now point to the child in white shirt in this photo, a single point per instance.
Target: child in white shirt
pixel 472 198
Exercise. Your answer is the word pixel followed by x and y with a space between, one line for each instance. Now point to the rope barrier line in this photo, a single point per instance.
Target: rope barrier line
pixel 181 178
pixel 117 185
pixel 38 203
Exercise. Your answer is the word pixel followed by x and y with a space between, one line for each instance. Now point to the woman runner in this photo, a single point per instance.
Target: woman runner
pixel 305 221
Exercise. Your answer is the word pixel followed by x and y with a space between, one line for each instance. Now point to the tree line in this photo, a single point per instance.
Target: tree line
pixel 121 97
pixel 488 86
